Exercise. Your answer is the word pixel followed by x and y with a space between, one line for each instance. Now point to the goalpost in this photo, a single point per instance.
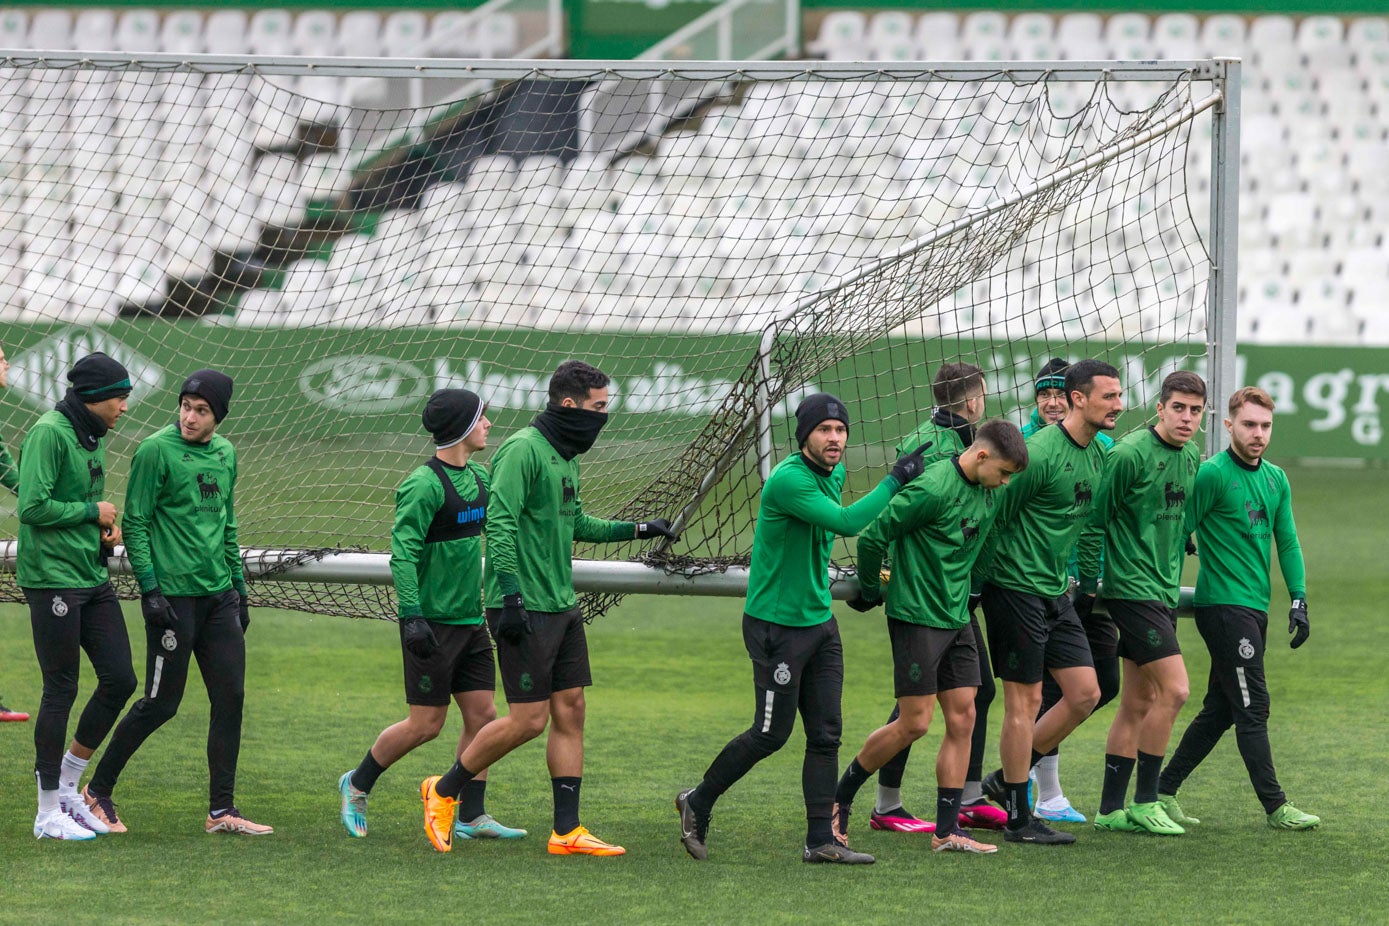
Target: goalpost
pixel 723 238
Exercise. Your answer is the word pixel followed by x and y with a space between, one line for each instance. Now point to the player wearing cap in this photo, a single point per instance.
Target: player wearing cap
pixel 789 630
pixel 64 527
pixel 180 524
pixel 436 563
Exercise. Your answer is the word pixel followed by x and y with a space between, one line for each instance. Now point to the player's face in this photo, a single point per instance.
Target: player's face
pixel 595 401
pixel 476 439
pixel 1250 431
pixel 994 472
pixel 825 445
pixel 108 410
pixel 1051 405
pixel 4 370
pixel 1102 406
pixel 195 420
pixel 1179 418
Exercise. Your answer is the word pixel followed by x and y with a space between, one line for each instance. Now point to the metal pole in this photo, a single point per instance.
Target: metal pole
pixel 1222 295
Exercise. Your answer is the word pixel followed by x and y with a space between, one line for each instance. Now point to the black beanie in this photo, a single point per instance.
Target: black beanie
pixel 450 414
pixel 96 378
pixel 212 387
pixel 1052 376
pixel 817 408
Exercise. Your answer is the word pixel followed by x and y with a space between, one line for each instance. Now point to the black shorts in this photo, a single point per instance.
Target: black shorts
pixel 1029 634
pixel 552 657
pixel 781 653
pixel 926 660
pixel 1147 630
pixel 462 662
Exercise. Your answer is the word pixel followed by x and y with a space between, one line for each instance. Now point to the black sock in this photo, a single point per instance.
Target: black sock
pixel 471 805
pixel 700 802
pixel 853 779
pixel 566 791
pixel 1036 757
pixel 948 810
pixel 1019 813
pixel 1145 786
pixel 364 778
pixel 452 781
pixel 1117 770
pixel 818 832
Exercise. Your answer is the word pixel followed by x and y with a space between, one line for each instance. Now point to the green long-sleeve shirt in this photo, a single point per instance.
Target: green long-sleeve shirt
pixel 441 581
pixel 533 519
pixel 1238 511
pixel 935 528
pixel 180 517
pixel 1043 514
pixel 797 521
pixel 1032 426
pixel 1143 508
pixel 9 472
pixel 944 441
pixel 59 486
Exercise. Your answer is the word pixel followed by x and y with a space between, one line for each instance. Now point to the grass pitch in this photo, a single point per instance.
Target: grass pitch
pixel 672 685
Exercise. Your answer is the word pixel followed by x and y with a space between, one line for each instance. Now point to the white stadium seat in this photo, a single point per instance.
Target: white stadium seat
pixel 403 33
pixel 1176 35
pixel 1222 35
pixel 50 28
pixel 315 33
pixel 226 32
pixel 359 34
pixel 937 36
pixel 181 32
pixel 1080 37
pixel 270 32
pixel 94 30
pixel 1128 36
pixel 843 35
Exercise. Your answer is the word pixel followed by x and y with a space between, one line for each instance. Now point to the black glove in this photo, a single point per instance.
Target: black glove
pixel 910 465
pixel 1298 624
pixel 515 622
pixel 1190 546
pixel 656 527
pixel 158 613
pixel 974 602
pixel 419 637
pixel 861 604
pixel 1084 605
pixel 243 610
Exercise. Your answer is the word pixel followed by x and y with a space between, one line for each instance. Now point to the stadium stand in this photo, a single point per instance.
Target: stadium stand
pixel 1314 194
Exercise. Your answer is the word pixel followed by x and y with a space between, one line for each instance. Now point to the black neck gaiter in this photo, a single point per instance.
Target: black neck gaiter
pixel 89 428
pixel 962 428
pixel 571 431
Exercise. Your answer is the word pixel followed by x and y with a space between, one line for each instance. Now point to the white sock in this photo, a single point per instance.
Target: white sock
pixel 888 799
pixel 70 773
pixel 48 800
pixel 973 793
pixel 1048 779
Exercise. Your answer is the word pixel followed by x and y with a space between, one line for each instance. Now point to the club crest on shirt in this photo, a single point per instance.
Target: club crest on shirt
pixel 782 675
pixel 1246 649
pixel 169 641
pixel 60 607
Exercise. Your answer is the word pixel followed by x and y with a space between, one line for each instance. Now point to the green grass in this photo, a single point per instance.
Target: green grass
pixel 672 687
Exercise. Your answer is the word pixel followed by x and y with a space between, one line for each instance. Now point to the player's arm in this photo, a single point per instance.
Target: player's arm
pixel 231 546
pixel 40 461
pixel 1116 481
pixel 797 494
pixel 147 478
pixel 907 512
pixel 1289 548
pixel 9 472
pixel 515 468
pixel 598 530
pixel 1204 492
pixel 416 502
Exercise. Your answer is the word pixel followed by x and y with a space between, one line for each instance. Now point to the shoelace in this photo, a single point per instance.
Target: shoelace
pixel 106 806
pixel 229 812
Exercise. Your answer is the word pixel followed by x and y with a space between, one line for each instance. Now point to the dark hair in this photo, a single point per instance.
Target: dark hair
pixel 1250 395
pixel 1182 381
pixel 955 383
pixel 575 379
pixel 1005 439
pixel 1080 377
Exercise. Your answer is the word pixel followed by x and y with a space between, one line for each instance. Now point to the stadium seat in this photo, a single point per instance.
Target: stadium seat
pixel 359 34
pixel 50 29
pixel 984 36
pixel 1080 37
pixel 1128 36
pixel 94 30
pixel 225 32
pixel 138 30
pixel 1270 42
pixel 270 32
pixel 1176 35
pixel 1320 40
pixel 1223 35
pixel 259 308
pixel 403 34
pixel 937 36
pixel 181 32
pixel 498 35
pixel 1030 37
pixel 14 28
pixel 315 33
pixel 842 36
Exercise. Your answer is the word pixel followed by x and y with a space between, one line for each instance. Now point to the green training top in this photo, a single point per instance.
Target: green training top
pixel 59 486
pixel 945 441
pixel 180 521
pixel 1143 507
pixel 441 581
pixel 533 519
pixel 797 521
pixel 1042 516
pixel 936 527
pixel 9 473
pixel 1237 510
pixel 1035 424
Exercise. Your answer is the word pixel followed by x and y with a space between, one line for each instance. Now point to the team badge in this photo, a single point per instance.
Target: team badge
pixel 60 607
pixel 1155 638
pixel 527 683
pixel 426 684
pixel 782 675
pixel 1246 649
pixel 914 673
pixel 169 641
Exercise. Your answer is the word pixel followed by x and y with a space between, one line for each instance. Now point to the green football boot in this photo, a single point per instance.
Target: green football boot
pixel 1289 817
pixel 1175 812
pixel 1116 821
pixel 1152 817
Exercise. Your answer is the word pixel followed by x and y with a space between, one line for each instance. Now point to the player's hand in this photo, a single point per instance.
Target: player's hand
pixel 1190 546
pixel 105 514
pixel 656 527
pixel 110 537
pixel 974 600
pixel 910 465
pixel 863 605
pixel 158 613
pixel 243 610
pixel 419 637
pixel 1298 624
pixel 1084 605
pixel 515 622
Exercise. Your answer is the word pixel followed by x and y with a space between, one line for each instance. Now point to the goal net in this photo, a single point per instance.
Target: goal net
pixel 721 239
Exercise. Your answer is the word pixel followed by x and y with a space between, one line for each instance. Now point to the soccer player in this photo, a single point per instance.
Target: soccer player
pixel 1242 504
pixel 935 528
pixel 534 516
pixel 1100 631
pixel 9 478
pixel 1033 626
pixel 436 562
pixel 789 630
pixel 1149 477
pixel 65 526
pixel 180 523
pixel 959 390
